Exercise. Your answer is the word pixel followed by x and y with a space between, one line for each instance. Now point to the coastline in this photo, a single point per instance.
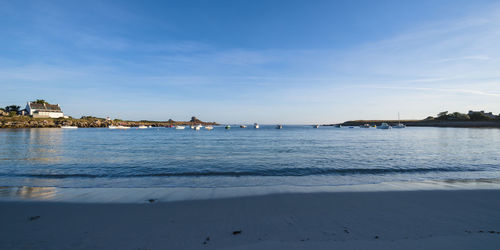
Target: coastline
pixel 459 219
pixel 426 123
pixel 89 122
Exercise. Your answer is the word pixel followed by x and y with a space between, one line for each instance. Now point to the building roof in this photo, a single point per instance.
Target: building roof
pixel 45 107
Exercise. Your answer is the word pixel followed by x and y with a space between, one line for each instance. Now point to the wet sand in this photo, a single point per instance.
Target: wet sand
pixel 464 219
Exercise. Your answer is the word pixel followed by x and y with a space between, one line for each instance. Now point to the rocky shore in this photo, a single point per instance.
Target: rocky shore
pixel 29 122
pixel 427 123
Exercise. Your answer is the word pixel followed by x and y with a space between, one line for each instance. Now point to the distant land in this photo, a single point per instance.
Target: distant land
pixel 41 114
pixel 473 119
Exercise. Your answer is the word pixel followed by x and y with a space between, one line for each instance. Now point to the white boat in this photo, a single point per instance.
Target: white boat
pixel 316 126
pixel 142 127
pixel 255 125
pixel 279 126
pixel 122 127
pixel 150 126
pixel 365 126
pixel 227 127
pixel 192 126
pixel 400 125
pixel 198 127
pixel 180 127
pixel 384 126
pixel 112 127
pixel 338 126
pixel 69 127
pixel 209 127
pixel 243 126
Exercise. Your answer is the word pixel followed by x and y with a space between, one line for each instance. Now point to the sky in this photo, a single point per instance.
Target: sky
pixel 235 61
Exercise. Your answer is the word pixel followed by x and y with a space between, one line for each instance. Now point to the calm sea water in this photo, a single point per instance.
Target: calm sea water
pixel 295 155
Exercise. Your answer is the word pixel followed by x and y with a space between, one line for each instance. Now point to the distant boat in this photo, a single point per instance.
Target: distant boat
pixel 150 126
pixel 279 126
pixel 142 127
pixel 118 127
pixel 192 126
pixel 400 125
pixel 255 125
pixel 209 127
pixel 316 126
pixel 384 126
pixel 180 127
pixel 338 125
pixel 227 127
pixel 365 126
pixel 243 126
pixel 351 127
pixel 69 127
pixel 198 127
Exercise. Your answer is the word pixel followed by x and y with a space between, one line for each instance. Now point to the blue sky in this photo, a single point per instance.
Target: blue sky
pixel 297 62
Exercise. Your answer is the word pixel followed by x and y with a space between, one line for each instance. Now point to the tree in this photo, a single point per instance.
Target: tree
pixel 444 113
pixel 40 101
pixel 12 108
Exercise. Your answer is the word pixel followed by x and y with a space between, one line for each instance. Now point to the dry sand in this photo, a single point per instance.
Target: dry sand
pixel 343 220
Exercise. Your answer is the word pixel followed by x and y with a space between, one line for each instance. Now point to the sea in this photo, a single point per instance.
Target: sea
pixel 298 157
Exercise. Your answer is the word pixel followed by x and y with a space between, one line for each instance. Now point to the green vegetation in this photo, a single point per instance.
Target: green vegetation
pixel 40 101
pixel 471 116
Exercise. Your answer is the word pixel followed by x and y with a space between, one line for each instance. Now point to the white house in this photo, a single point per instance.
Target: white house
pixel 44 110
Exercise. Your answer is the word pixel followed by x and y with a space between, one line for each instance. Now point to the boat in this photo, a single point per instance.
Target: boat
pixel 150 126
pixel 69 127
pixel 180 127
pixel 365 126
pixel 243 126
pixel 338 126
pixel 227 127
pixel 142 127
pixel 209 127
pixel 118 127
pixel 400 125
pixel 384 126
pixel 198 127
pixel 192 126
pixel 316 126
pixel 279 126
pixel 255 125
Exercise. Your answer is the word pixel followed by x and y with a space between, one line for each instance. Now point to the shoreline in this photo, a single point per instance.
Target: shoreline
pixel 89 122
pixel 460 219
pixel 139 195
pixel 426 123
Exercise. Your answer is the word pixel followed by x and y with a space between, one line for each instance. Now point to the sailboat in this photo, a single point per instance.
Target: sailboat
pixel 400 125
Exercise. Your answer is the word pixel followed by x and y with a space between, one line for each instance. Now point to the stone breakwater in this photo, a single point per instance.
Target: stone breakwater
pixel 27 122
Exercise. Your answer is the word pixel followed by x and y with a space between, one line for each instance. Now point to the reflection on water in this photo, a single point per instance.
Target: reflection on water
pixel 37 193
pixel 42 145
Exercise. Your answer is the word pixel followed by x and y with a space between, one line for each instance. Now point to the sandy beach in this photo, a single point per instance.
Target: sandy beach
pixel 341 220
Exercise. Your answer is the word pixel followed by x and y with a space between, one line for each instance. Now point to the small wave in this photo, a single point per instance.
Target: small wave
pixel 283 172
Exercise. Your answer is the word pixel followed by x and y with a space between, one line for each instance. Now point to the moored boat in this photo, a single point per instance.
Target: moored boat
pixel 255 125
pixel 384 126
pixel 338 126
pixel 365 126
pixel 227 127
pixel 316 126
pixel 243 126
pixel 142 127
pixel 209 127
pixel 69 127
pixel 180 127
pixel 279 126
